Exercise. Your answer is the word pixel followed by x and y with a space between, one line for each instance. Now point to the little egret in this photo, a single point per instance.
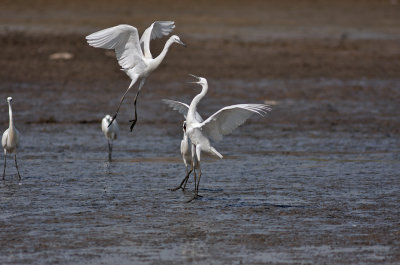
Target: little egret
pixel 221 123
pixel 186 152
pixel 110 132
pixel 186 147
pixel 10 140
pixel 134 55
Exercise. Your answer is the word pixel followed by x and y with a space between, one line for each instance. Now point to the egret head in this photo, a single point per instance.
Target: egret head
pixel 108 118
pixel 9 99
pixel 184 126
pixel 176 39
pixel 200 80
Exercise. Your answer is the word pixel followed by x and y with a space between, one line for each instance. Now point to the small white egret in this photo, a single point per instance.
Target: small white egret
pixel 186 147
pixel 10 140
pixel 134 56
pixel 110 131
pixel 186 151
pixel 221 123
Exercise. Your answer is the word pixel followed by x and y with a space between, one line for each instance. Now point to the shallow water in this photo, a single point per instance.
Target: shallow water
pixel 279 195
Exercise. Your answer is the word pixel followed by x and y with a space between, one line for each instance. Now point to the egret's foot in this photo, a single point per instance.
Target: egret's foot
pixel 193 198
pixel 133 123
pixel 197 194
pixel 175 189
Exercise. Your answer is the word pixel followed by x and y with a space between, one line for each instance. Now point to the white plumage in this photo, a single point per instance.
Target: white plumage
pixel 10 140
pixel 156 30
pixel 111 131
pixel 186 151
pixel 134 55
pixel 221 123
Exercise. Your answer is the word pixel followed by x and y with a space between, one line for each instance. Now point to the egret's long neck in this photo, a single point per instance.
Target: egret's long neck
pixel 193 105
pixel 10 115
pixel 157 61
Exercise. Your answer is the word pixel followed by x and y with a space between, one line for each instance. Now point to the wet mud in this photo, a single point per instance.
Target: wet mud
pixel 314 182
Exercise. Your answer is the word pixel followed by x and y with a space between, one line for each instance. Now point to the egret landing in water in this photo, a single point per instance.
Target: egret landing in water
pixel 134 55
pixel 10 140
pixel 110 131
pixel 221 123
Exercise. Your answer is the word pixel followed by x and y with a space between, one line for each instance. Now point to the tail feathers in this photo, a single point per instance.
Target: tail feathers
pixel 215 152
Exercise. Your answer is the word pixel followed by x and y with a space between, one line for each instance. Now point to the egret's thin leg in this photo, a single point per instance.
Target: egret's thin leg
pixel 134 102
pixel 195 183
pixel 134 119
pixel 195 177
pixel 195 174
pixel 185 179
pixel 5 161
pixel 16 165
pixel 122 99
pixel 109 150
pixel 198 153
pixel 198 182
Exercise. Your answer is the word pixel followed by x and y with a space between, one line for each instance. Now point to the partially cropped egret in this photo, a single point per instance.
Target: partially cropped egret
pixel 134 55
pixel 110 131
pixel 10 140
pixel 221 123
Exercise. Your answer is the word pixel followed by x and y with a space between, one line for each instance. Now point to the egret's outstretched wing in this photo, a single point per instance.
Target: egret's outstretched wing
pixel 156 30
pixel 181 107
pixel 227 119
pixel 124 39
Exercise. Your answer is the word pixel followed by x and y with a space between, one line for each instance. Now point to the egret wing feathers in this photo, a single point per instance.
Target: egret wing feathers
pixel 156 30
pixel 124 39
pixel 4 139
pixel 227 119
pixel 181 107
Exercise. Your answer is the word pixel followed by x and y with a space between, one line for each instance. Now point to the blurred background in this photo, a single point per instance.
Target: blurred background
pixel 332 50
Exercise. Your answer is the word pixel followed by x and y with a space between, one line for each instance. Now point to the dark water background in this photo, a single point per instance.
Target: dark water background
pixel 279 194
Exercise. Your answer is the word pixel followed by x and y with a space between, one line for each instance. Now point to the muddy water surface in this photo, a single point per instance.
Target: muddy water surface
pixel 281 194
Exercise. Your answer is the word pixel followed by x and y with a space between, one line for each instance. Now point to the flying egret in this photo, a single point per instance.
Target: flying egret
pixel 221 123
pixel 134 55
pixel 110 131
pixel 10 140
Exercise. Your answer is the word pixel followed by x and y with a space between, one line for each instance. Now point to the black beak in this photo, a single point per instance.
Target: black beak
pixel 181 43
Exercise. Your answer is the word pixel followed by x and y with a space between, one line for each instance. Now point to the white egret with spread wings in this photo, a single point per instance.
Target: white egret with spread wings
pixel 221 123
pixel 134 55
pixel 186 147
